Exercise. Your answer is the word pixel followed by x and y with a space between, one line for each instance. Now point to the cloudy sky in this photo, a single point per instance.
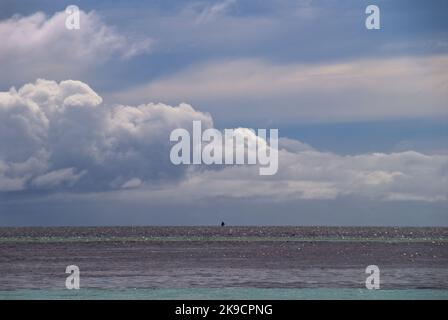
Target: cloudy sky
pixel 85 115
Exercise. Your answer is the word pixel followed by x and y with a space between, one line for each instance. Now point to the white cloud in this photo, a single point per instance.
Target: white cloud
pixel 133 183
pixel 37 45
pixel 57 177
pixel 320 175
pixel 359 90
pixel 211 12
pixel 61 136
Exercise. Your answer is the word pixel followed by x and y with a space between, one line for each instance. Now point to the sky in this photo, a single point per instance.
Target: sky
pixel 86 115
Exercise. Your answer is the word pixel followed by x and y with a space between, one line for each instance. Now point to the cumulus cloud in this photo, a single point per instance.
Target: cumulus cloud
pixel 311 174
pixel 38 44
pixel 61 136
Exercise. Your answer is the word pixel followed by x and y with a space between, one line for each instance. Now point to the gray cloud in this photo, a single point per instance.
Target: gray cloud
pixel 57 177
pixel 310 174
pixel 372 89
pixel 60 136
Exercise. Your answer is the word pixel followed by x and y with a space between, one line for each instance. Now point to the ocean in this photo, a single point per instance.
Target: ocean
pixel 223 262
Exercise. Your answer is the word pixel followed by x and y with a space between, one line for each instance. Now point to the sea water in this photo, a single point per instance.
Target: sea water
pixel 223 263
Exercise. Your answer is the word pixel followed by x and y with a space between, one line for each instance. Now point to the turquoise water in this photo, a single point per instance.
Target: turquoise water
pixel 228 294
